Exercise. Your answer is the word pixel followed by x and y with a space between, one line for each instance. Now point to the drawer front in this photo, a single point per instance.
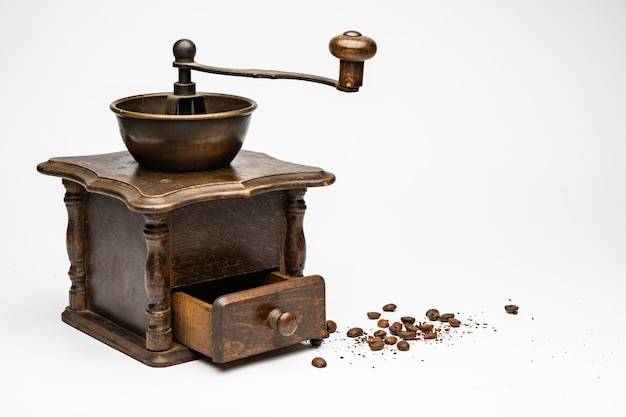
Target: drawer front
pixel 252 321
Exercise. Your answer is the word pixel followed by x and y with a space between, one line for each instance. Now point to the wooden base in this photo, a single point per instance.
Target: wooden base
pixel 125 341
pixel 135 235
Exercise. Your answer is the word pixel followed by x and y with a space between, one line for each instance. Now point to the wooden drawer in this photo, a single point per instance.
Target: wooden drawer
pixel 237 317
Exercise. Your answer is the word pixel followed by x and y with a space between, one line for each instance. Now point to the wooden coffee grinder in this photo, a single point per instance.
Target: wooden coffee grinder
pixel 184 245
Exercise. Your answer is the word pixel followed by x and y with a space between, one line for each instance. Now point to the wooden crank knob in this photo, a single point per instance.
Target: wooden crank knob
pixel 352 46
pixel 352 49
pixel 285 322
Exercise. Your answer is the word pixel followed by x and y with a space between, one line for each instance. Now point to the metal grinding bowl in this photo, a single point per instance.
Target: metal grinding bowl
pixel 179 142
pixel 185 131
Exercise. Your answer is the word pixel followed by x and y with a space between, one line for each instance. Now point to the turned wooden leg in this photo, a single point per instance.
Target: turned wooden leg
pixel 295 244
pixel 75 244
pixel 157 280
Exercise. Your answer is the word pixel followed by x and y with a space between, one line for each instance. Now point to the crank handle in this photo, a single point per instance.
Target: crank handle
pixel 351 48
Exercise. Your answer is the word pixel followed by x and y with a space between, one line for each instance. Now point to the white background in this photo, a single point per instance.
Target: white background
pixel 481 162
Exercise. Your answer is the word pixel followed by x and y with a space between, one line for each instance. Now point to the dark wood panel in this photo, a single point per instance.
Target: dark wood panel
pixel 226 238
pixel 115 262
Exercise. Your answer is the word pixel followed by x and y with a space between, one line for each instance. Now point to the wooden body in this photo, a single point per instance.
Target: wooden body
pixel 138 239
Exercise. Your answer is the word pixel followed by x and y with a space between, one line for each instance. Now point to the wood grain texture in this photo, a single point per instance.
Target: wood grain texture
pixel 217 239
pixel 119 176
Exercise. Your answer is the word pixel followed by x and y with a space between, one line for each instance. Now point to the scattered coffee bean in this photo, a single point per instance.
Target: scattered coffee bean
pixel 399 333
pixel 319 362
pixel 410 327
pixel 331 326
pixel 355 332
pixel 395 328
pixel 391 340
pixel 445 317
pixel 408 335
pixel 430 335
pixel 376 344
pixel 403 345
pixel 380 333
pixel 511 308
pixel 432 314
pixel 316 342
pixel 425 327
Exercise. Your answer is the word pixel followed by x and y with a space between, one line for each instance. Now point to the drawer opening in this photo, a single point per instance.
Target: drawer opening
pixel 209 291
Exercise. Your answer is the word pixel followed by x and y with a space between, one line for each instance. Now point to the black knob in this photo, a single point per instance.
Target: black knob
pixel 184 50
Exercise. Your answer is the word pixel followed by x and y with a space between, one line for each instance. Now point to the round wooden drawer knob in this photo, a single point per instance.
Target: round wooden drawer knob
pixel 285 322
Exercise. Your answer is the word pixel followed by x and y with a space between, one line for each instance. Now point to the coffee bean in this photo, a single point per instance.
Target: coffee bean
pixel 319 362
pixel 331 326
pixel 407 319
pixel 430 335
pixel 389 307
pixel 511 308
pixel 380 333
pixel 373 315
pixel 408 335
pixel 395 327
pixel 355 332
pixel 410 327
pixel 383 323
pixel 445 317
pixel 432 314
pixel 391 340
pixel 425 327
pixel 376 344
pixel 453 322
pixel 403 345
pixel 316 342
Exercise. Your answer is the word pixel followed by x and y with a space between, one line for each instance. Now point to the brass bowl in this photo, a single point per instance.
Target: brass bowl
pixel 183 143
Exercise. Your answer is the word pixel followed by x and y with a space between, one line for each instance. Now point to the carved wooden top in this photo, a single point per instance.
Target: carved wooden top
pixel 118 175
